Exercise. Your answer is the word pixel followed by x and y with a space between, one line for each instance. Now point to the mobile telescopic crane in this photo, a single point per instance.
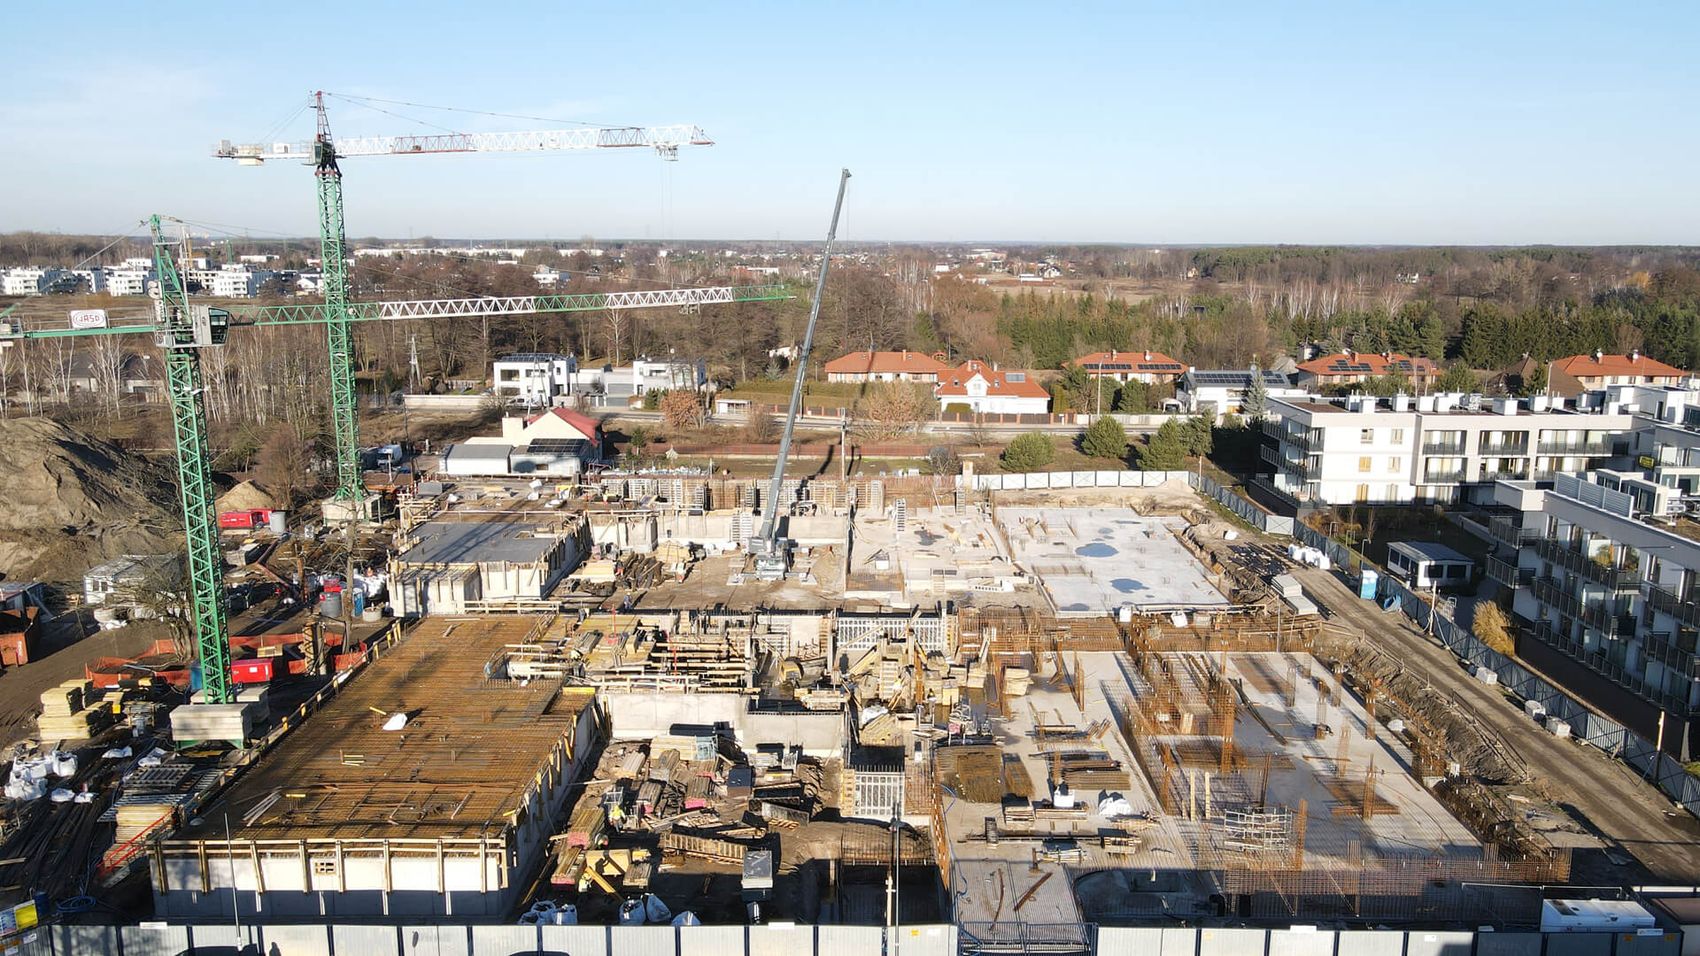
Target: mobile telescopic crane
pixel 772 553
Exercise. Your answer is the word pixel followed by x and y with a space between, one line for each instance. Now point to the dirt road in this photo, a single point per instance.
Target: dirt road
pixel 1602 794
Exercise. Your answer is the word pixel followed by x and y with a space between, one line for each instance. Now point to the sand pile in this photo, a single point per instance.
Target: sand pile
pixel 245 496
pixel 69 501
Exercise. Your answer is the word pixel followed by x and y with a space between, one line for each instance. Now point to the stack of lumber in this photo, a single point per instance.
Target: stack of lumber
pixel 66 714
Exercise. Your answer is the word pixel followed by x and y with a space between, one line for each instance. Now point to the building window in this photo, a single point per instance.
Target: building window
pixel 1392 492
pixel 1398 436
pixel 1363 493
pixel 1364 464
pixel 1366 436
pixel 1395 463
pixel 324 867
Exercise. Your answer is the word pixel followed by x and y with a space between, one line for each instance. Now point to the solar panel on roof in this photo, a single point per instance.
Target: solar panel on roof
pixel 558 446
pixel 1158 366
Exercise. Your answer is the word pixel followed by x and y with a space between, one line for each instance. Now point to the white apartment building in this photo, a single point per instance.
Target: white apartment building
pixel 229 281
pixel 535 378
pixel 128 280
pixel 544 378
pixel 1441 448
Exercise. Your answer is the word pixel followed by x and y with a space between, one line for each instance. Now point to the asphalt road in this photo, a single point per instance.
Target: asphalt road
pixel 1602 794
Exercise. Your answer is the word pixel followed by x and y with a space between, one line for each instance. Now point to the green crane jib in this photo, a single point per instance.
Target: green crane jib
pixel 182 329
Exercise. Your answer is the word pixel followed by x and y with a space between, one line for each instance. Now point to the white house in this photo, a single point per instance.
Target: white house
pixel 535 378
pixel 1222 389
pixel 128 280
pixel 984 388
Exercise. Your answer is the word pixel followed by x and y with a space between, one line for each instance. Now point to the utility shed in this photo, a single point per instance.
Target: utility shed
pixel 445 817
pixel 123 579
pixel 472 459
pixel 453 565
pixel 1425 564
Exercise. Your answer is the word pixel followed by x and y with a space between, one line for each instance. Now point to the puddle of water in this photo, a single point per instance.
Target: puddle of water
pixel 1128 585
pixel 1096 549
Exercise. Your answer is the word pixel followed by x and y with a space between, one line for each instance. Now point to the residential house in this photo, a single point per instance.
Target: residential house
pixel 871 366
pixel 1220 390
pixel 1152 368
pixel 1355 368
pixel 535 378
pixel 1600 370
pixel 984 388
pixel 559 442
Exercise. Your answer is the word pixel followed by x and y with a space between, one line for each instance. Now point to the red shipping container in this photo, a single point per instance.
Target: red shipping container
pixel 255 671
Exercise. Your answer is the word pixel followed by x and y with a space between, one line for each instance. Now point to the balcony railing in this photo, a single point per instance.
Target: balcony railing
pixel 1509 574
pixel 1667 601
pixel 1604 618
pixel 1505 449
pixel 1453 448
pixel 1567 556
pixel 1595 446
pixel 1606 667
pixel 1549 592
pixel 1505 474
pixel 1446 476
pixel 1505 532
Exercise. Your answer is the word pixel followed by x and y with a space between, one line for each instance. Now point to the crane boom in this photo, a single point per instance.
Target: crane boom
pixel 664 139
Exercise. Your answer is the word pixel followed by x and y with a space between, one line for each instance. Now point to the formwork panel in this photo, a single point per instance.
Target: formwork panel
pixel 376 940
pixel 504 939
pixel 1579 944
pixel 1508 944
pixel 717 940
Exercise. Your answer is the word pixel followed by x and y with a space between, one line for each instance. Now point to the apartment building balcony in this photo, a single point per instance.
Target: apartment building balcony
pixel 1611 670
pixel 1507 449
pixel 1604 617
pixel 1452 447
pixel 1565 446
pixel 1658 647
pixel 1555 595
pixel 1506 532
pixel 1506 473
pixel 1442 476
pixel 1667 601
pixel 1508 573
pixel 1567 556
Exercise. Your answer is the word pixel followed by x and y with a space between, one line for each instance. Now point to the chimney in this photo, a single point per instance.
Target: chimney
pixel 1112 353
pixel 1598 355
pixel 1635 355
pixel 1147 355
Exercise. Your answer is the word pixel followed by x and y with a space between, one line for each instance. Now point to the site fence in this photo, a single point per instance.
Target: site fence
pixel 1255 515
pixel 1021 481
pixel 806 940
pixel 1665 771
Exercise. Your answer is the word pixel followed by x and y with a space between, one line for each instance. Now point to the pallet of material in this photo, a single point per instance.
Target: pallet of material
pixel 661 763
pixel 66 699
pixel 588 823
pixel 780 815
pixel 648 797
pixel 80 725
pixel 569 862
pixel 697 792
pixel 631 766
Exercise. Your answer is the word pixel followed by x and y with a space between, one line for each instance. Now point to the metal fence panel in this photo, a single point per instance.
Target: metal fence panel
pixel 1652 944
pixel 1438 944
pixel 1287 942
pixel 84 939
pixel 1579 944
pixel 729 940
pixel 1370 942
pixel 780 939
pixel 922 940
pixel 154 941
pixel 286 940
pixel 1508 944
pixel 439 941
pixel 644 941
pixel 1129 940
pixel 831 940
pixel 353 938
pixel 1232 942
pixel 576 940
pixel 1179 942
pixel 506 940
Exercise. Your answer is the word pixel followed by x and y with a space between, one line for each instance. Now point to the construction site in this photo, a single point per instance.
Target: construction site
pixel 671 700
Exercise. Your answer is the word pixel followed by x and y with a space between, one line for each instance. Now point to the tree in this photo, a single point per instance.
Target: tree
pixel 637 443
pixel 652 398
pixel 1133 398
pixel 1535 383
pixel 1165 450
pixel 762 427
pixel 1457 378
pixel 282 463
pixel 894 408
pixel 1078 386
pixel 681 409
pixel 942 460
pixel 1491 626
pixel 1197 433
pixel 1254 402
pixel 1104 438
pixel 1386 386
pixel 1030 451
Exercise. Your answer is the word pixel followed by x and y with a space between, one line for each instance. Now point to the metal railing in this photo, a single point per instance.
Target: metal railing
pixel 1569 447
pixel 1454 447
pixel 1568 556
pixel 1509 574
pixel 1506 449
pixel 1550 592
pixel 1444 477
pixel 1667 601
pixel 1506 532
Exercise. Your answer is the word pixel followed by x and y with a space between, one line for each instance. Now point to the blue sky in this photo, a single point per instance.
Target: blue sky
pixel 1133 122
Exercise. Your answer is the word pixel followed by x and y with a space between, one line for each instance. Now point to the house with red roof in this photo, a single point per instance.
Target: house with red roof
pixel 1600 369
pixel 1150 367
pixel 871 366
pixel 983 387
pixel 1355 368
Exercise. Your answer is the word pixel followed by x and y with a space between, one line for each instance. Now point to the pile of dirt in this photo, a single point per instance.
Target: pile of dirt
pixel 69 501
pixel 246 496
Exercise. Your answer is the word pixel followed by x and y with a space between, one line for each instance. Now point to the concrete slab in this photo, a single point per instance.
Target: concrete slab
pixel 1092 561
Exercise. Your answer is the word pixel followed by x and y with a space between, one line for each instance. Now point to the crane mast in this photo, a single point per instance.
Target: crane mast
pixel 339 331
pixel 772 560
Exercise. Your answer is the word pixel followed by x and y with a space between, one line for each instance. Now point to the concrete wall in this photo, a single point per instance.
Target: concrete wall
pixel 639 715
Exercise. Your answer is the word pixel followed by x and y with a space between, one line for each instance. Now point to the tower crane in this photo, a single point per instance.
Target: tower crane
pixel 183 329
pixel 322 154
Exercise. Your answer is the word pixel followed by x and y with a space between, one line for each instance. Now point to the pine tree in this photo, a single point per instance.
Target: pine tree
pixel 1030 451
pixel 1198 435
pixel 1164 451
pixel 1254 403
pixel 1104 438
pixel 1458 378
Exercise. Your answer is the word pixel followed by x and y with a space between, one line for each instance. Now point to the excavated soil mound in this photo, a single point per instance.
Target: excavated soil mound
pixel 69 501
pixel 245 496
